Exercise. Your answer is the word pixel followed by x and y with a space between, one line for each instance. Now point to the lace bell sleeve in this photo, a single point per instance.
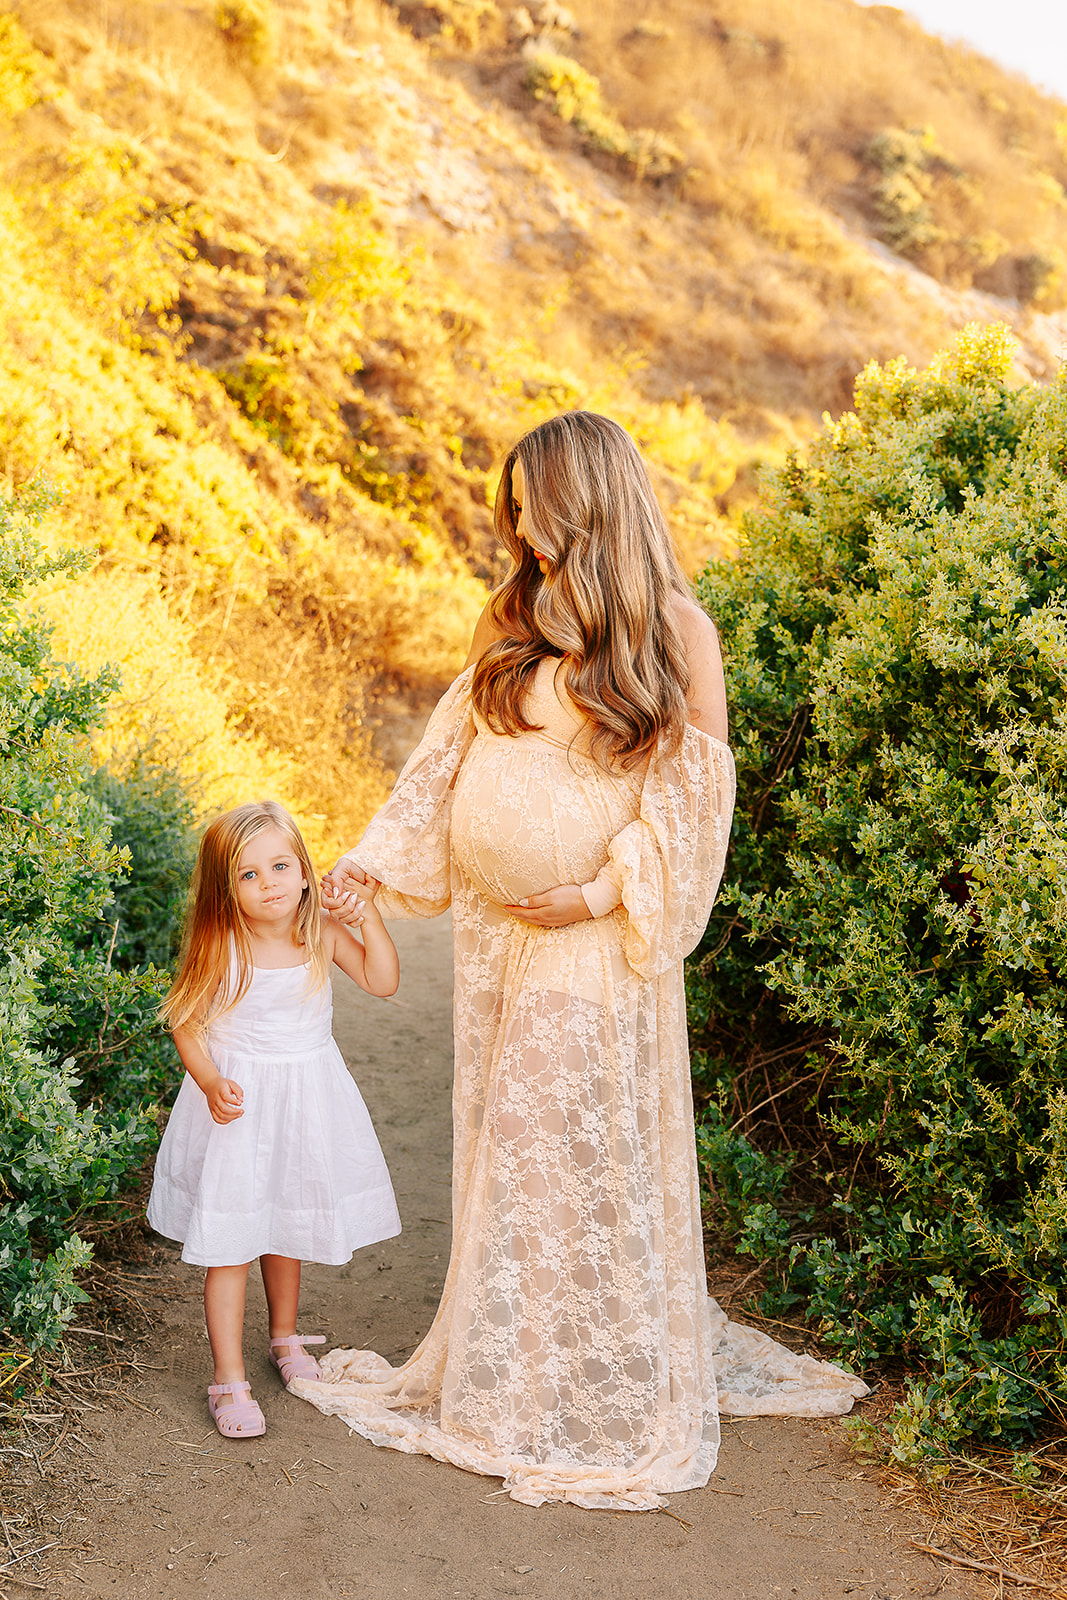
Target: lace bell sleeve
pixel 664 870
pixel 406 845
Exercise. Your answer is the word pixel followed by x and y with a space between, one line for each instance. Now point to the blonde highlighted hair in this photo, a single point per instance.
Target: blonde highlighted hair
pixel 606 604
pixel 215 966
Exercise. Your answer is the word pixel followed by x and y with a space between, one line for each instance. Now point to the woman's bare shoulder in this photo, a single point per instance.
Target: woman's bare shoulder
pixel 695 625
pixel 707 689
pixel 486 633
pixel 688 613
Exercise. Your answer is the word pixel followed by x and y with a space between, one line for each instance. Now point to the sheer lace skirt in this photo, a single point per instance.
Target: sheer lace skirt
pixel 575 1348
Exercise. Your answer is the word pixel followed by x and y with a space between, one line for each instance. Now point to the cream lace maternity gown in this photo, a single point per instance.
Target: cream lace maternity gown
pixel 575 1350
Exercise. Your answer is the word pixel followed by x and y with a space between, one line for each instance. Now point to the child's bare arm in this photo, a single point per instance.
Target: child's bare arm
pixel 373 963
pixel 224 1097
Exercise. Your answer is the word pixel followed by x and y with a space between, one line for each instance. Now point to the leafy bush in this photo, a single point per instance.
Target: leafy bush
pixel 19 68
pixel 104 995
pixel 120 253
pixel 151 817
pixel 1040 279
pixel 575 96
pixel 350 263
pixel 248 28
pixel 908 160
pixel 462 23
pixel 932 210
pixel 883 985
pixel 59 979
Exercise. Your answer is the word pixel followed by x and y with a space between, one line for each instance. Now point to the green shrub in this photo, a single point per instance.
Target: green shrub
pixel 151 816
pixel 888 962
pixel 104 994
pixel 1039 279
pixel 350 264
pixel 20 68
pixel 575 96
pixel 117 253
pixel 933 211
pixel 65 999
pixel 248 29
pixel 908 161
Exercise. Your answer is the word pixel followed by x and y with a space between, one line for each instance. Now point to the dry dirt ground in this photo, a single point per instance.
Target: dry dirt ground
pixel 144 1498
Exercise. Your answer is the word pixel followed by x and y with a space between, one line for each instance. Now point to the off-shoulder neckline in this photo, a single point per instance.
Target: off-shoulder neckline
pixel 710 737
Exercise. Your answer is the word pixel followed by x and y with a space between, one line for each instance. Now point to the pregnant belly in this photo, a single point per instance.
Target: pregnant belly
pixel 524 819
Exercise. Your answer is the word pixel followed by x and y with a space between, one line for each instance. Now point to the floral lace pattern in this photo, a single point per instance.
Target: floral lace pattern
pixel 575 1349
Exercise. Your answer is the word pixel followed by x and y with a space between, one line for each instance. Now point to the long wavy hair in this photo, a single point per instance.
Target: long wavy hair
pixel 606 602
pixel 215 966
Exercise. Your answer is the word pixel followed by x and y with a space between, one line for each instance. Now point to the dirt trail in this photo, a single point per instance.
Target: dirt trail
pixel 170 1508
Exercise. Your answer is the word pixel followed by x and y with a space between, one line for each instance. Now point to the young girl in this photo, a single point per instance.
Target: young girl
pixel 269 1150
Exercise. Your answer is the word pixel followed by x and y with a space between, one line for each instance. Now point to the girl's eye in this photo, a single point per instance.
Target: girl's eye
pixel 246 875
pixel 280 866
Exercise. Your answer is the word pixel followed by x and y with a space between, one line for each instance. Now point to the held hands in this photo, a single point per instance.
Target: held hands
pixel 348 893
pixel 348 896
pixel 225 1100
pixel 556 908
pixel 343 905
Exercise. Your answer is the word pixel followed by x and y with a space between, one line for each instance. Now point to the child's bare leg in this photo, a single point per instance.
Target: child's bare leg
pixel 281 1281
pixel 224 1308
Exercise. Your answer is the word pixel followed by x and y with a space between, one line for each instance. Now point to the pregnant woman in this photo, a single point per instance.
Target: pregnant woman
pixel 571 799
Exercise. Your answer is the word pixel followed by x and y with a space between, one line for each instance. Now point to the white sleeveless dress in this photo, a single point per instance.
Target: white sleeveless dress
pixel 301 1173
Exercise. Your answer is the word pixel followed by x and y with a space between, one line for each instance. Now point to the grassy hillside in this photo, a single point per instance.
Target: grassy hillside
pixel 279 283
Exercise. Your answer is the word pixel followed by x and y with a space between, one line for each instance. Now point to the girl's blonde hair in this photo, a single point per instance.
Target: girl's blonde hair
pixel 590 508
pixel 215 966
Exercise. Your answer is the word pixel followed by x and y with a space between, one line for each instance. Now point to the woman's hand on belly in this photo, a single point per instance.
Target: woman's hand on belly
pixel 556 908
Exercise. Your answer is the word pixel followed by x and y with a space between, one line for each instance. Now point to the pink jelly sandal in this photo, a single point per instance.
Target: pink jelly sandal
pixel 241 1419
pixel 297 1364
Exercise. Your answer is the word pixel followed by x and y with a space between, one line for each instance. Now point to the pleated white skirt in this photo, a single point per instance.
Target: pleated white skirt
pixel 301 1173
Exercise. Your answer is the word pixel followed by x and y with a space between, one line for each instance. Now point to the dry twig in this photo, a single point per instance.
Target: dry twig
pixel 984 1566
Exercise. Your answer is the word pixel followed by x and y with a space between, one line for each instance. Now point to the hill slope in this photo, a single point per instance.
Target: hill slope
pixel 280 283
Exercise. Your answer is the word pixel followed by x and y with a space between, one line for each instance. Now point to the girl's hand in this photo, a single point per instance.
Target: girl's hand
pixel 361 883
pixel 556 908
pixel 343 905
pixel 347 877
pixel 225 1100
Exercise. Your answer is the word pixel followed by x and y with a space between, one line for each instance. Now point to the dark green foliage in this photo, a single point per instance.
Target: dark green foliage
pixel 151 817
pixel 73 935
pixel 890 962
pixel 105 993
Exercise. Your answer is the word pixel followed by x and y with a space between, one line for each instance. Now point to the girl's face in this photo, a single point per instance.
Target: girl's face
pixel 270 880
pixel 518 494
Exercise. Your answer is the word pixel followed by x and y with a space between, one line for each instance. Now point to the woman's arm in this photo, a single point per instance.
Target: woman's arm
pixel 407 843
pixel 486 633
pixel 556 908
pixel 707 682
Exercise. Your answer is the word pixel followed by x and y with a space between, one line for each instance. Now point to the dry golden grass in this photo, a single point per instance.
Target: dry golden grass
pixel 980 1518
pixel 287 729
pixel 766 87
pixel 401 261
